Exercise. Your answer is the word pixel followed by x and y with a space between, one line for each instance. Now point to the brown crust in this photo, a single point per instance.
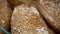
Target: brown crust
pixel 15 3
pixel 50 13
pixel 26 20
pixel 5 15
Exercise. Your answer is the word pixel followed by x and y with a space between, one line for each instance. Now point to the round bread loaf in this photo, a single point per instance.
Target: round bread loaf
pixel 27 20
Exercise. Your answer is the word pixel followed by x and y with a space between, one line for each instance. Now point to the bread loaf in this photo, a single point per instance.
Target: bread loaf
pixel 27 20
pixel 5 15
pixel 50 10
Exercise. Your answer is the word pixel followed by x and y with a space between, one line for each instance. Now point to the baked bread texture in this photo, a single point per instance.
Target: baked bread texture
pixel 5 15
pixel 27 20
pixel 50 10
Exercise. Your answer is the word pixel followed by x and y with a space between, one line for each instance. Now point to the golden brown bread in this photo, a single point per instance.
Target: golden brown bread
pixel 50 10
pixel 5 14
pixel 26 20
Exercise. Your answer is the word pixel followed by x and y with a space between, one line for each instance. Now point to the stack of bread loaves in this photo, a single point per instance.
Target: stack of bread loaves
pixel 30 16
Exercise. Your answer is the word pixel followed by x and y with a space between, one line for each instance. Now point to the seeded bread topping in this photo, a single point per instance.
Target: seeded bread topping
pixel 26 20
